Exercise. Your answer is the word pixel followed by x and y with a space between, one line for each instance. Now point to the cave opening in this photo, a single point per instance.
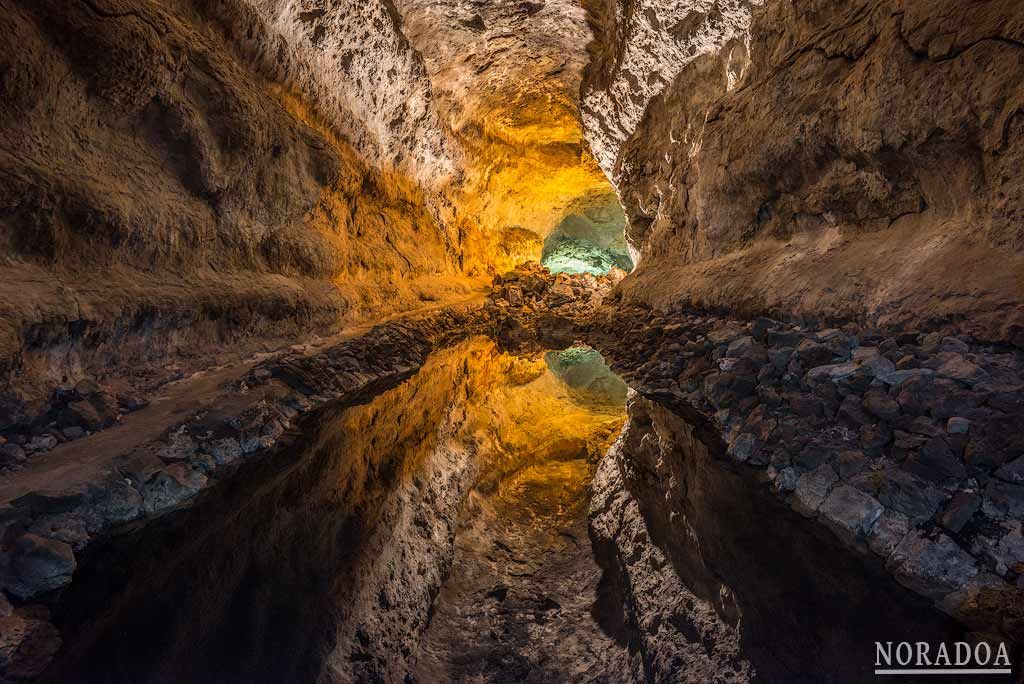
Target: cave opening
pixel 590 239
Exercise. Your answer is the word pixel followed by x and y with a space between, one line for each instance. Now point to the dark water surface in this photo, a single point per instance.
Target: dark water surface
pixel 322 562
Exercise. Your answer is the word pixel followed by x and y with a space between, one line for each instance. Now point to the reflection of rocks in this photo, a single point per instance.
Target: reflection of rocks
pixel 37 565
pixel 167 475
pixel 715 578
pixel 882 437
pixel 584 371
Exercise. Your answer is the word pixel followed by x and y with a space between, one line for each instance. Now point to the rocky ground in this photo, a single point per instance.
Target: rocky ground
pixel 902 448
pixel 907 446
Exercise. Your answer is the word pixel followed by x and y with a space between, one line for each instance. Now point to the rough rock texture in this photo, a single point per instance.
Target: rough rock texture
pixel 507 77
pixel 856 161
pixel 353 62
pixel 45 531
pixel 352 527
pixel 674 635
pixel 719 582
pixel 174 176
pixel 519 604
pixel 323 562
pixel 853 430
pixel 639 47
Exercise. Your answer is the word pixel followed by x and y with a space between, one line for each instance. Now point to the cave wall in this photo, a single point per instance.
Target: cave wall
pixel 177 176
pixel 830 159
pixel 506 75
pixel 713 579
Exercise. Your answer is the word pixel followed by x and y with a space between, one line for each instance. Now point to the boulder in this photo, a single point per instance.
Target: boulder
pixel 1012 471
pixel 888 532
pixel 879 404
pixel 39 565
pixel 931 567
pixel 170 487
pixel 908 494
pixel 936 461
pixel 960 510
pixel 812 354
pixel 812 488
pixel 849 512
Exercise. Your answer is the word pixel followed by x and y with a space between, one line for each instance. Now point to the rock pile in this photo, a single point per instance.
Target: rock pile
pixel 531 305
pixel 72 413
pixel 909 446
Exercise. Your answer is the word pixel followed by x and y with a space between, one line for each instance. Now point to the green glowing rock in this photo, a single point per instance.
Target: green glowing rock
pixel 583 256
pixel 584 371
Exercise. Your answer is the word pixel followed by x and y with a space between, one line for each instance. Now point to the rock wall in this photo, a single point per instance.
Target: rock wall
pixel 331 550
pixel 507 76
pixel 717 582
pixel 180 176
pixel 639 47
pixel 852 160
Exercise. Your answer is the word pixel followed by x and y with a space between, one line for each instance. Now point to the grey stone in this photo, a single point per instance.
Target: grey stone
pixel 888 532
pixel 1004 500
pixel 833 372
pixel 249 442
pixel 740 346
pixel 11 454
pixel 960 510
pixel 936 461
pixel 39 565
pixel 851 463
pixel 759 328
pixel 931 567
pixel 812 488
pixel 849 512
pixel 897 378
pixel 225 450
pixel 952 344
pixel 850 411
pixel 962 370
pixel 909 495
pixel 171 486
pixel 1012 471
pixel 743 447
pixel 42 443
pixel 1008 554
pixel 812 354
pixel 881 405
pixel 958 426
pixel 121 503
pixel 179 447
pixel 73 432
pixel 785 480
pixel 71 527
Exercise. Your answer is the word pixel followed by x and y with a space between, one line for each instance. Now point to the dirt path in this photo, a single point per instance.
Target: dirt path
pixel 518 604
pixel 74 464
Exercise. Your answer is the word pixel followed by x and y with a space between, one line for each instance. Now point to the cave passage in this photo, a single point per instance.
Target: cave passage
pixel 590 239
pixel 436 533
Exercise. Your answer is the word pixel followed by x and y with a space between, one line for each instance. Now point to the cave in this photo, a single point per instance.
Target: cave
pixel 590 239
pixel 429 341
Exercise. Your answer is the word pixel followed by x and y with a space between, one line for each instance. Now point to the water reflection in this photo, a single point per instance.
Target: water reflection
pixel 321 564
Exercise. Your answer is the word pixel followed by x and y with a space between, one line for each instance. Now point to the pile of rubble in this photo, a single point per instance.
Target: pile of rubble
pixel 72 413
pixel 909 446
pixel 531 305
